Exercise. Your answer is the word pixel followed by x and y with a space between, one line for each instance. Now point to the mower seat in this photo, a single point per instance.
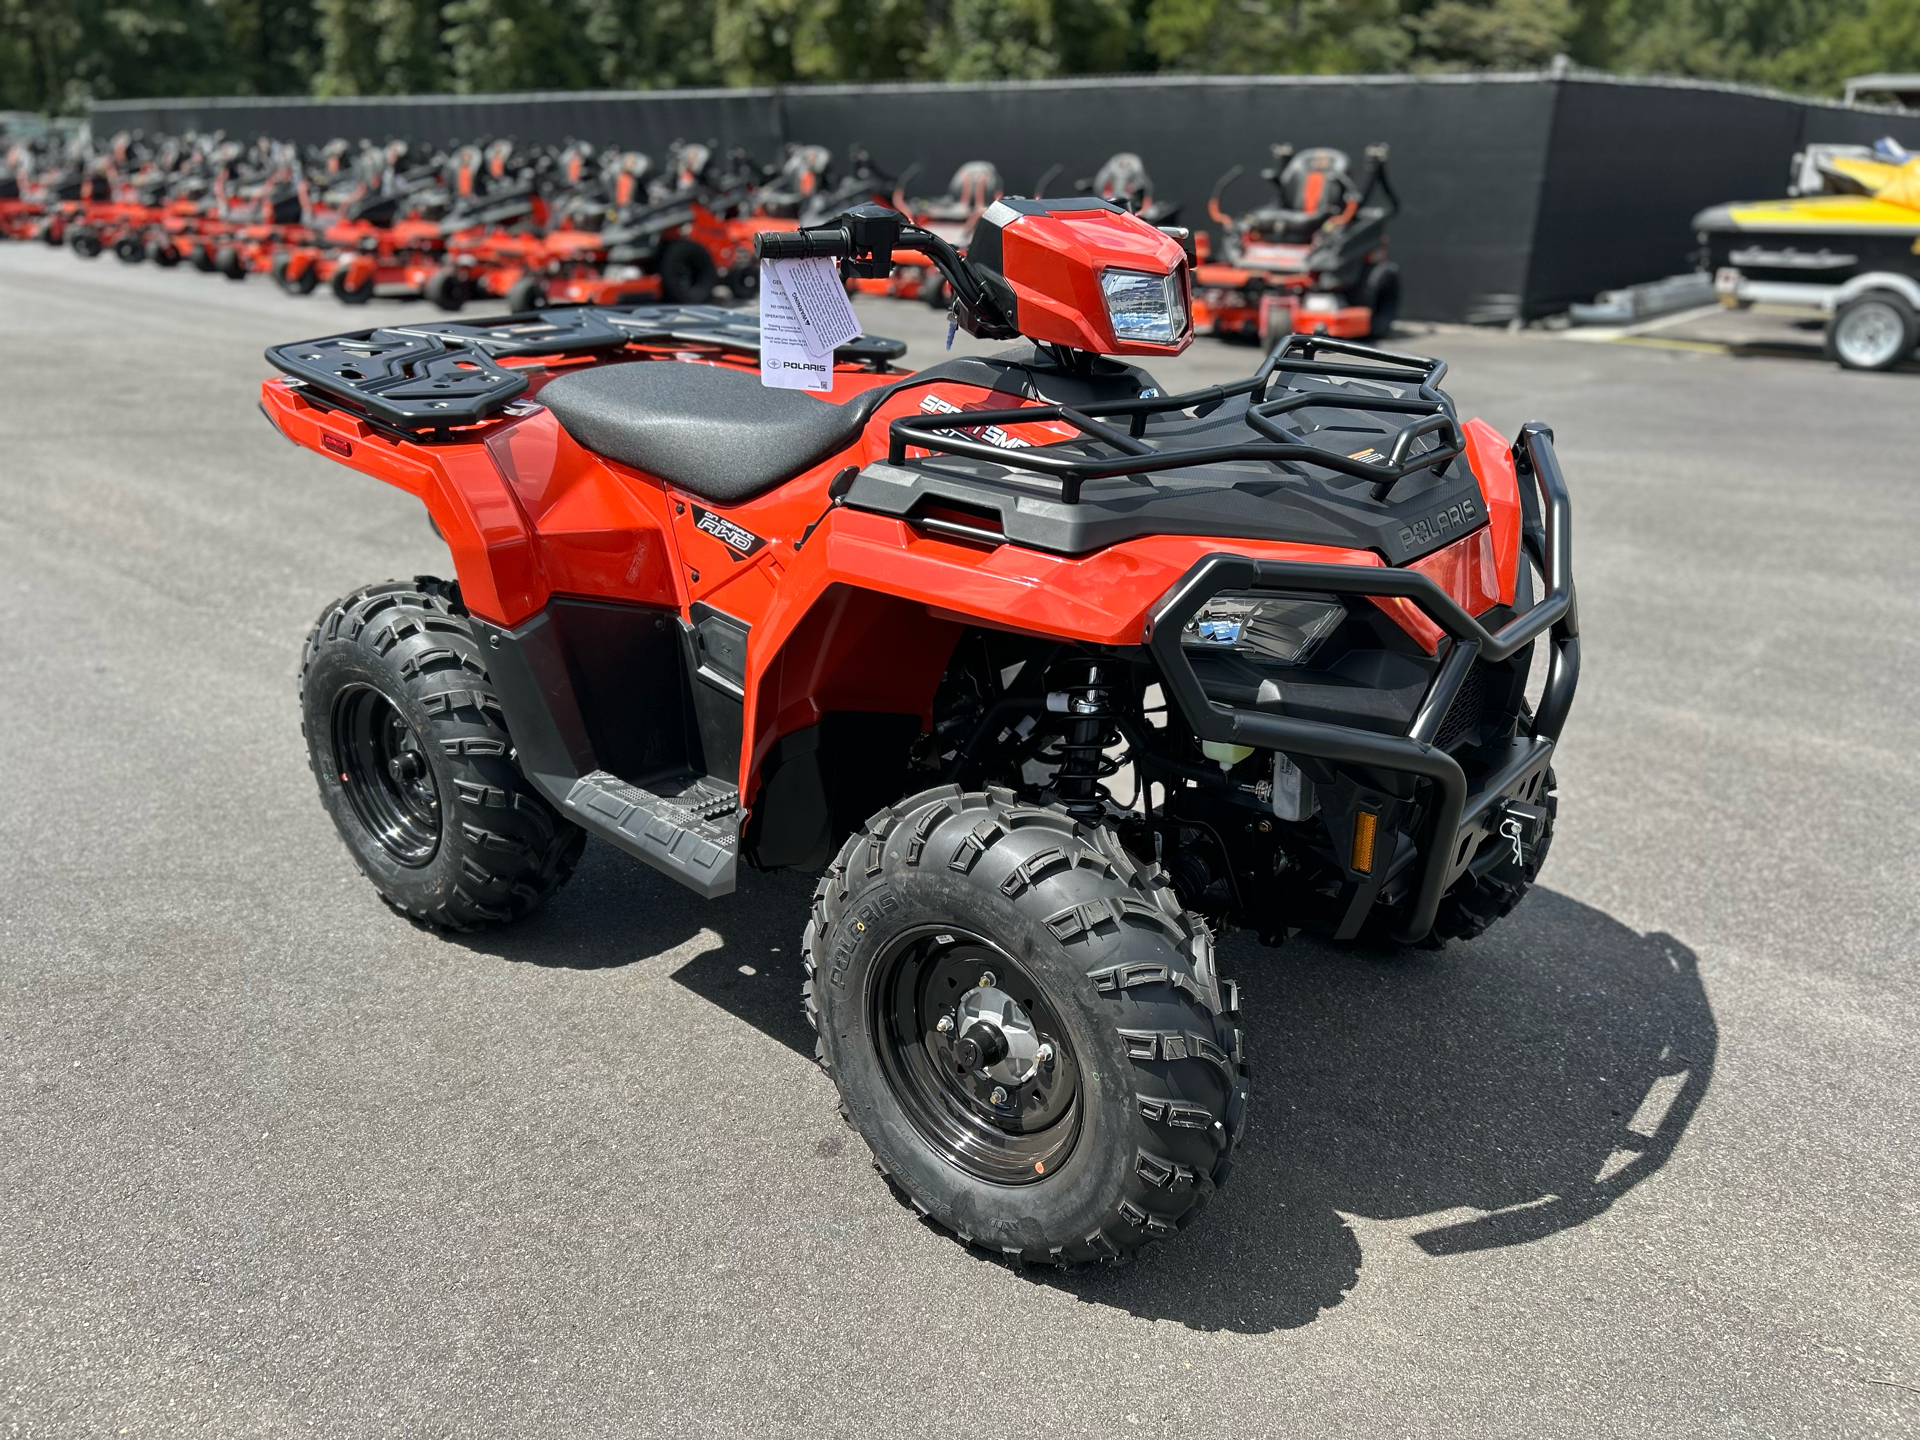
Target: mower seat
pixel 716 433
pixel 1314 188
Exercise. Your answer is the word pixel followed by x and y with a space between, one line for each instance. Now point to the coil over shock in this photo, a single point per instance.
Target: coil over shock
pixel 1082 692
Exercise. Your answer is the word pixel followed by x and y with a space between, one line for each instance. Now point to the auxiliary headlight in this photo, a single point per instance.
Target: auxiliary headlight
pixel 1281 627
pixel 1143 306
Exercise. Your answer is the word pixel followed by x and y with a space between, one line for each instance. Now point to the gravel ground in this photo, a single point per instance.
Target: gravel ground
pixel 1641 1160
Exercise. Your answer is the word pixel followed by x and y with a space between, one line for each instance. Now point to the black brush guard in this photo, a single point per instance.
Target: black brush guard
pixel 1460 817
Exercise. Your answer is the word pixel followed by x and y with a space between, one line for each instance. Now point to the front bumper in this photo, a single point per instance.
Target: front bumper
pixel 1462 815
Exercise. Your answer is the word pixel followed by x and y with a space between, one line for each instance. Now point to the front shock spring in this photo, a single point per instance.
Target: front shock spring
pixel 1082 701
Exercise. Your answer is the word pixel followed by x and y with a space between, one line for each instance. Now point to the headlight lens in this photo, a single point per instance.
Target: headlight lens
pixel 1287 628
pixel 1144 306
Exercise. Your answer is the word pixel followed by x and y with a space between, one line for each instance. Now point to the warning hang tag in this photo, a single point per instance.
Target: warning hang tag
pixel 785 363
pixel 820 303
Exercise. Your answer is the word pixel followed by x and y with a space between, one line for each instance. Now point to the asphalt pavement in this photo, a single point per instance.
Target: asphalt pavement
pixel 1641 1161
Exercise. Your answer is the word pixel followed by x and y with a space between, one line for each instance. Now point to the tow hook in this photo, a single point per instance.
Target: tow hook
pixel 1521 826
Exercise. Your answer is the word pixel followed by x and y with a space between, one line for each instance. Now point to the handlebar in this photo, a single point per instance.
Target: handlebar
pixel 827 243
pixel 863 240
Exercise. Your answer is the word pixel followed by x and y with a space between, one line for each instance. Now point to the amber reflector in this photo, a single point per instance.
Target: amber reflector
pixel 1363 827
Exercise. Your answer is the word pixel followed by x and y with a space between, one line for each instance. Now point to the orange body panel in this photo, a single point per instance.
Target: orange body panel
pixel 528 513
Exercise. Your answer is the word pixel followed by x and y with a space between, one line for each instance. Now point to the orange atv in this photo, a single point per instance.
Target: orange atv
pixel 1048 673
pixel 1315 261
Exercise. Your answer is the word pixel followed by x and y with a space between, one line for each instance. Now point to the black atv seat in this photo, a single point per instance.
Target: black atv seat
pixel 717 433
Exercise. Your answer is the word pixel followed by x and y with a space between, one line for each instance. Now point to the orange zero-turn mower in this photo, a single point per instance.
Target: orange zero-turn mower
pixel 1048 674
pixel 1313 262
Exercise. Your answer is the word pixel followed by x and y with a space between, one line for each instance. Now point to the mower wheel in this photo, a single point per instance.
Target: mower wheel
pixel 1874 331
pixel 1476 901
pixel 933 290
pixel 525 296
pixel 1024 1026
pixel 351 294
pixel 1381 295
pixel 448 289
pixel 686 273
pixel 228 262
pixel 163 254
pixel 415 764
pixel 85 244
pixel 200 257
pixel 129 250
pixel 744 283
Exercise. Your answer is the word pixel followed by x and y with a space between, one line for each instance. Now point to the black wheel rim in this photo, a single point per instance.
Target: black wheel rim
pixel 387 775
pixel 1020 1140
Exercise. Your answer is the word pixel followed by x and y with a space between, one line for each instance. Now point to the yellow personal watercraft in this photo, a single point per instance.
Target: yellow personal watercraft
pixel 1851 249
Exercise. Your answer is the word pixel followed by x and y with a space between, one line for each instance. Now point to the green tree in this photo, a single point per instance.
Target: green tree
pixel 1503 35
pixel 381 47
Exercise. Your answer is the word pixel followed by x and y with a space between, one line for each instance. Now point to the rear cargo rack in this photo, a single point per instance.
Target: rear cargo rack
pixel 437 375
pixel 1129 452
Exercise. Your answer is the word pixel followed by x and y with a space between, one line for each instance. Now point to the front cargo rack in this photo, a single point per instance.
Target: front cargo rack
pixel 1103 451
pixel 437 375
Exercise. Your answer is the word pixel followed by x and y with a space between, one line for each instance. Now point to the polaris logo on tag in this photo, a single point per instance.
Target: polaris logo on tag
pixel 1454 518
pixel 736 538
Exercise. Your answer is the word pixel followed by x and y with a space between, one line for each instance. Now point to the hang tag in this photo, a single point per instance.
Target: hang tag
pixel 819 302
pixel 785 363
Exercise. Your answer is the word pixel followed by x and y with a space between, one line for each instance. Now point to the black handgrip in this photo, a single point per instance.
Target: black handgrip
pixel 829 242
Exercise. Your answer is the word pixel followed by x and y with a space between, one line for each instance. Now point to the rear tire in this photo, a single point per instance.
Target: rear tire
pixel 415 764
pixel 1476 901
pixel 686 273
pixel 228 262
pixel 163 254
pixel 1874 331
pixel 85 244
pixel 1383 298
pixel 129 250
pixel 1106 967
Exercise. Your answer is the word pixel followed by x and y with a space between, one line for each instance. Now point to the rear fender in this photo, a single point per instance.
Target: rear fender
pixel 472 505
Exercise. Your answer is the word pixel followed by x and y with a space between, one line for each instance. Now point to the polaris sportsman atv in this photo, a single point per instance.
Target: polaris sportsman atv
pixel 1053 673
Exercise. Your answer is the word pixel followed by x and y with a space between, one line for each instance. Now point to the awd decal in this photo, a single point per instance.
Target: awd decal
pixel 737 538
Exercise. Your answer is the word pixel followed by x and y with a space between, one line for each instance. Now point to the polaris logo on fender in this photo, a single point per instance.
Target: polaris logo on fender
pixel 740 540
pixel 1450 521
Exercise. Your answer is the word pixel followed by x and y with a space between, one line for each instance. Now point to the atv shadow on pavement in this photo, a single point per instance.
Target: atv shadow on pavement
pixel 1504 1089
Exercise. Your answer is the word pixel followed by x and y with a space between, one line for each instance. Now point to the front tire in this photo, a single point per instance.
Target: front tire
pixel 966 906
pixel 687 275
pixel 448 289
pixel 526 296
pixel 350 294
pixel 1874 331
pixel 415 765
